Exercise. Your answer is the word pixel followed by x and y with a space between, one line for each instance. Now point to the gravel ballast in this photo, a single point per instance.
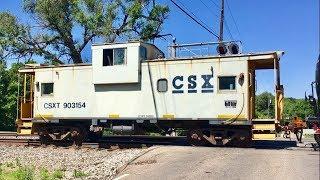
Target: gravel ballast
pixel 97 164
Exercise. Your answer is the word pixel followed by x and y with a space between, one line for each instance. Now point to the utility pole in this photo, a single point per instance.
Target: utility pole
pixel 221 21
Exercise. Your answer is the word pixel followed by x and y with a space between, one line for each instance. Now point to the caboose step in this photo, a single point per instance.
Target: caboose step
pixel 25 126
pixel 26 119
pixel 264 136
pixel 264 121
pixel 263 129
pixel 25 131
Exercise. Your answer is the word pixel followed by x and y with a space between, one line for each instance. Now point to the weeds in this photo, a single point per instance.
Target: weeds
pixel 58 174
pixel 17 171
pixel 79 174
pixel 23 173
pixel 44 174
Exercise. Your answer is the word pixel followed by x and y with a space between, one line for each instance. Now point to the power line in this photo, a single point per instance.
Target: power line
pixel 233 19
pixel 194 15
pixel 228 30
pixel 194 19
pixel 215 4
pixel 210 10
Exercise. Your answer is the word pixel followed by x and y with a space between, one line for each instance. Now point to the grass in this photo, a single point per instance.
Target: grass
pixel 17 171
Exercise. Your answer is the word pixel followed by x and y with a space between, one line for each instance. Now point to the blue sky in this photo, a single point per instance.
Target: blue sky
pixel 288 25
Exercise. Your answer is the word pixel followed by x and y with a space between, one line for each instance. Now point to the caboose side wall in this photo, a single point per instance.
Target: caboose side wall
pixel 71 85
pixel 201 102
pixel 74 85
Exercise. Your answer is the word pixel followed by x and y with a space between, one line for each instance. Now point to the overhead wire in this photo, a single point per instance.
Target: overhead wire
pixel 233 19
pixel 228 30
pixel 194 15
pixel 209 9
pixel 194 18
pixel 214 3
pixel 226 23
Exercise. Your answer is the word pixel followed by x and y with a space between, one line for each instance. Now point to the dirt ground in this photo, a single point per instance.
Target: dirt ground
pixel 182 162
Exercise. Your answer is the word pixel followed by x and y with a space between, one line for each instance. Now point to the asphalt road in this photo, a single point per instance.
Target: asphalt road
pixel 181 162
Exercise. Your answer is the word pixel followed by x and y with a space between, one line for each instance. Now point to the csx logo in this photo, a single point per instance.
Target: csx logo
pixel 178 83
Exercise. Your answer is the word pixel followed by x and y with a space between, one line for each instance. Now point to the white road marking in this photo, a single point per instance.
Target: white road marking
pixel 120 177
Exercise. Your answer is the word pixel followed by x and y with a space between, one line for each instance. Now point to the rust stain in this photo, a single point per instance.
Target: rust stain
pixel 190 64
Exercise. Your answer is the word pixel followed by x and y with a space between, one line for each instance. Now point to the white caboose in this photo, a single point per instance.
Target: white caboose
pixel 132 85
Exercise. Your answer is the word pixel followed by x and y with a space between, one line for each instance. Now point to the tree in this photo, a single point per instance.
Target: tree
pixel 9 84
pixel 63 28
pixel 297 107
pixel 265 109
pixel 292 107
pixel 9 89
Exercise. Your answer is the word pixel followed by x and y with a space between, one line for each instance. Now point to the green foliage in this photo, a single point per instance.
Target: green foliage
pixel 297 107
pixel 44 174
pixel 8 98
pixel 24 173
pixel 16 171
pixel 79 174
pixel 57 174
pixel 9 82
pixel 265 109
pixel 68 26
pixel 292 107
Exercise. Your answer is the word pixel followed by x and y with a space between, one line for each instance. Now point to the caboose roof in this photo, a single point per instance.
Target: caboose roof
pixel 263 60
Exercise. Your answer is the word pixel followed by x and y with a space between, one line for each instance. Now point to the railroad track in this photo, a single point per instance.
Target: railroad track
pixel 136 141
pixel 12 138
pixel 125 141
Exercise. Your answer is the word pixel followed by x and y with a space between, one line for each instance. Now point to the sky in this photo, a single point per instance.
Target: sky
pixel 287 25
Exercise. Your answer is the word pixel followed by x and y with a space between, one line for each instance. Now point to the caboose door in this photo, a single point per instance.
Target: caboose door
pixel 27 98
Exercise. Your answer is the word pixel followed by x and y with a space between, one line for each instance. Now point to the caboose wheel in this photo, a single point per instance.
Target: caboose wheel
pixel 78 135
pixel 95 136
pixel 45 139
pixel 195 137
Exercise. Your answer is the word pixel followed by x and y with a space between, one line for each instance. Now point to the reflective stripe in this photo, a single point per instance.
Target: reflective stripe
pixel 264 136
pixel 231 116
pixel 114 115
pixel 43 116
pixel 264 127
pixel 168 116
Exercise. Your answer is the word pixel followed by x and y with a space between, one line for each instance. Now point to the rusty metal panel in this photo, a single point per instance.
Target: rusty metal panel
pixel 26 110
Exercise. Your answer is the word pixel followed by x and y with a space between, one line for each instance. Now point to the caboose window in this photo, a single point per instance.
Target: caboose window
pixel 227 82
pixel 143 53
pixel 113 57
pixel 162 85
pixel 46 88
